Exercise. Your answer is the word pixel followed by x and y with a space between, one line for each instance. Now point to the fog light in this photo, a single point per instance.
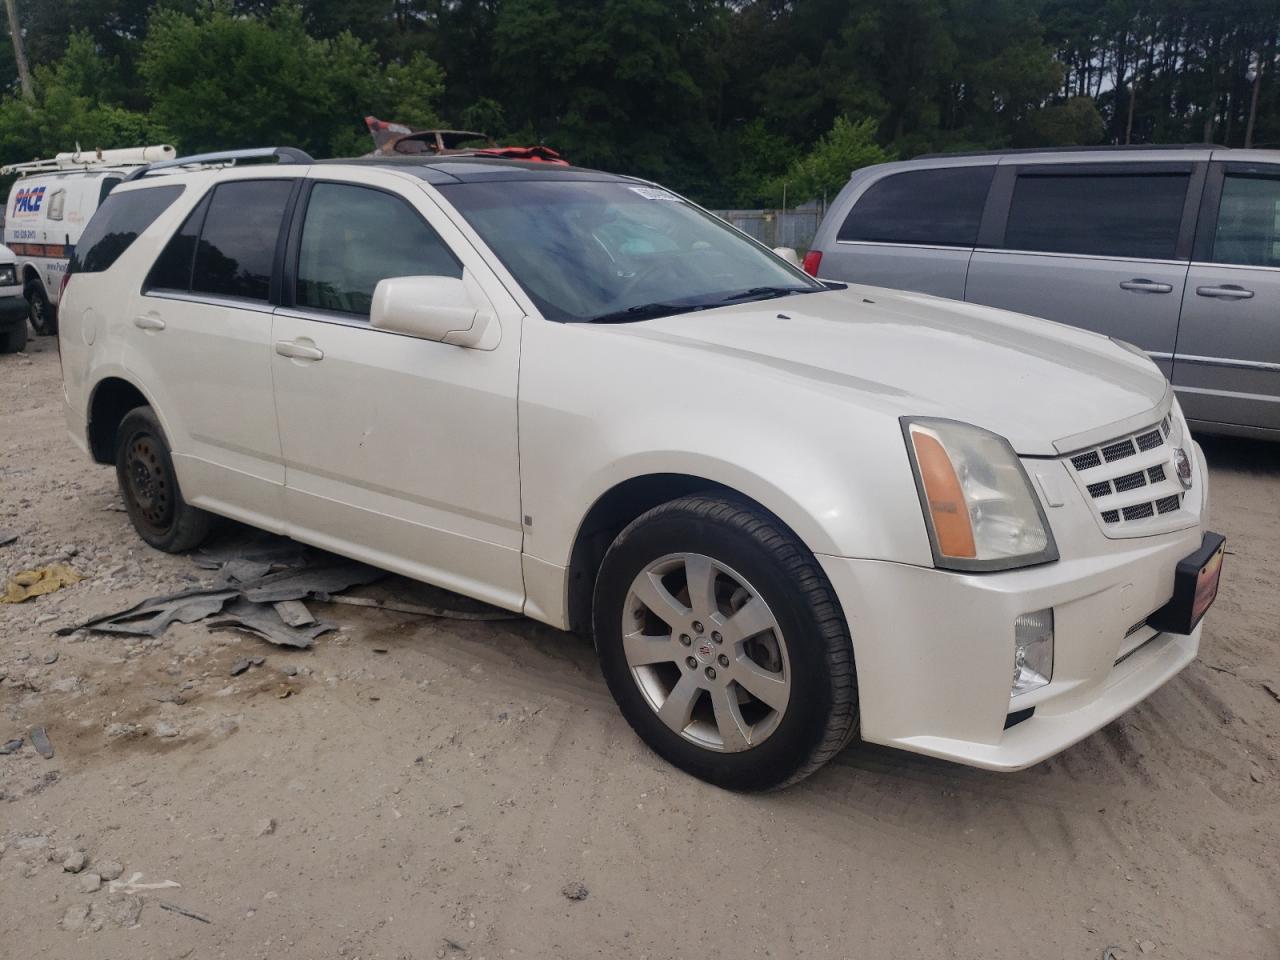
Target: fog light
pixel 1032 651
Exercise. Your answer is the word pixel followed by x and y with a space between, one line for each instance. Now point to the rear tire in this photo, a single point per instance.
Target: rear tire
pixel 723 643
pixel 149 486
pixel 44 319
pixel 14 340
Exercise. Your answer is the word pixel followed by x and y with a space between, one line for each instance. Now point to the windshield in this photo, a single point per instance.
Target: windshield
pixel 610 251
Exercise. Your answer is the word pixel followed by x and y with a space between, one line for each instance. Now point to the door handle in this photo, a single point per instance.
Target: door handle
pixel 1228 291
pixel 298 351
pixel 1141 285
pixel 148 321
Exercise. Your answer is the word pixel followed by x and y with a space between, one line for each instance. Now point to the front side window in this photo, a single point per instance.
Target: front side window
pixel 352 237
pixel 117 223
pixel 935 207
pixel 610 251
pixel 1248 222
pixel 237 246
pixel 1111 215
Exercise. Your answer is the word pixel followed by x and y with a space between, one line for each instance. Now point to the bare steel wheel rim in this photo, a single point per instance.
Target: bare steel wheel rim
pixel 149 483
pixel 706 652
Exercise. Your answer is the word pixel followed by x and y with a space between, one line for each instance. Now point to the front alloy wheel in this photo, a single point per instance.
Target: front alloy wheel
pixel 722 640
pixel 706 652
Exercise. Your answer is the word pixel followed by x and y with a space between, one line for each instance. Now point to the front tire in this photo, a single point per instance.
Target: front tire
pixel 15 339
pixel 149 486
pixel 722 641
pixel 44 319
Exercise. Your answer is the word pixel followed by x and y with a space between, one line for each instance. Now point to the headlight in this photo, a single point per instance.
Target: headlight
pixel 978 503
pixel 8 275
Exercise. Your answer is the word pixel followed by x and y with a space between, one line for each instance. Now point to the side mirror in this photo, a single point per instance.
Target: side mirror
pixel 788 254
pixel 444 309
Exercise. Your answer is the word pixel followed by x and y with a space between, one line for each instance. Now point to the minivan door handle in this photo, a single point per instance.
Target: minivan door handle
pixel 148 321
pixel 1228 291
pixel 1142 285
pixel 298 351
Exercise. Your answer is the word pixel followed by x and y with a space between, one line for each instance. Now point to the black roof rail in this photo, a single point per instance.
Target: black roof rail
pixel 1105 148
pixel 281 155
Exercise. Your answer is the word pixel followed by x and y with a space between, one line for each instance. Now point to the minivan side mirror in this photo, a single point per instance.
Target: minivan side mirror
pixel 788 254
pixel 445 309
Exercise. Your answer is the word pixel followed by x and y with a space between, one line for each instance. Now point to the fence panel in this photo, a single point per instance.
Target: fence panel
pixel 777 228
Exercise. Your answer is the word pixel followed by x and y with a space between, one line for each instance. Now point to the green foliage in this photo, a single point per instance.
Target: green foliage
pixel 846 147
pixel 722 99
pixel 219 80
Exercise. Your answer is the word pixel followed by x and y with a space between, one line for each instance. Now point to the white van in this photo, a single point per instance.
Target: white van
pixel 49 205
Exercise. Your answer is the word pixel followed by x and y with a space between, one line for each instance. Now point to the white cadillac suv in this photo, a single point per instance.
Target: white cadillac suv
pixel 790 512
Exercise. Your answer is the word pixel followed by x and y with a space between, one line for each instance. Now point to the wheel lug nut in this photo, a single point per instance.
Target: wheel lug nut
pixel 685 639
pixel 724 661
pixel 711 673
pixel 693 664
pixel 715 637
pixel 697 626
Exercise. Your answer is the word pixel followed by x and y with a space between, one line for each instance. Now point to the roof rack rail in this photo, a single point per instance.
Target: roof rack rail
pixel 228 157
pixel 78 159
pixel 1102 148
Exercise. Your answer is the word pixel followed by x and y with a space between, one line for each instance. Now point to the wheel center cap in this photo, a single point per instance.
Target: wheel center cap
pixel 704 650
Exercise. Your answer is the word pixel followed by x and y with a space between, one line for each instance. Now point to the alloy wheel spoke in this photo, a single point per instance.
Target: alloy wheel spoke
pixel 700 575
pixel 650 591
pixel 767 687
pixel 677 709
pixel 641 649
pixel 734 731
pixel 753 618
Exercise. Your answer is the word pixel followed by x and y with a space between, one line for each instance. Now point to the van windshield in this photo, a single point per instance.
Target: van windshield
pixel 609 251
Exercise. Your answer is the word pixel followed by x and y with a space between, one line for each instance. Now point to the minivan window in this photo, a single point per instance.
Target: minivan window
pixel 1134 215
pixel 117 223
pixel 936 207
pixel 352 237
pixel 172 269
pixel 108 184
pixel 238 242
pixel 1249 222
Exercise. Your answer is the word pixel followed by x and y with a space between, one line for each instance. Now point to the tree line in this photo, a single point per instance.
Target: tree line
pixel 726 100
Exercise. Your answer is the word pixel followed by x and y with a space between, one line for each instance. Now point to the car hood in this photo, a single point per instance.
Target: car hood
pixel 1029 380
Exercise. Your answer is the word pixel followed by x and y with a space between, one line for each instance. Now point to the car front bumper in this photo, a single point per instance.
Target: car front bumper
pixel 934 649
pixel 13 307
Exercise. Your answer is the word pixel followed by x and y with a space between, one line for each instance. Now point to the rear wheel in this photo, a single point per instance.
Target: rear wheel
pixel 14 339
pixel 44 319
pixel 722 642
pixel 149 486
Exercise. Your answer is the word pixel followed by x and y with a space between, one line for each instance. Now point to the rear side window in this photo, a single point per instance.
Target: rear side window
pixel 1249 222
pixel 172 269
pixel 937 207
pixel 118 222
pixel 108 184
pixel 237 246
pixel 1111 215
pixel 355 236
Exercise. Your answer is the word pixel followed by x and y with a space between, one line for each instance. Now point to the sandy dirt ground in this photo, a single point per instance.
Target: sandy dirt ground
pixel 440 789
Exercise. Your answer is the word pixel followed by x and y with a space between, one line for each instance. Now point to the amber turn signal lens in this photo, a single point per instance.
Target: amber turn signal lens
pixel 947 507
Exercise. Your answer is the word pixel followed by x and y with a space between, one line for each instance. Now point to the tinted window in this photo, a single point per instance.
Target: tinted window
pixel 1114 215
pixel 172 269
pixel 1249 222
pixel 238 242
pixel 942 207
pixel 117 224
pixel 108 184
pixel 353 237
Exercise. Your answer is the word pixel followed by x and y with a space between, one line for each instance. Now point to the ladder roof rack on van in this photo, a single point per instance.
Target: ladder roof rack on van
pixel 227 157
pixel 78 159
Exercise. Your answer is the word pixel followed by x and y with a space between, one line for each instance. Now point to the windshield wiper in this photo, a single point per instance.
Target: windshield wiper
pixel 646 311
pixel 765 293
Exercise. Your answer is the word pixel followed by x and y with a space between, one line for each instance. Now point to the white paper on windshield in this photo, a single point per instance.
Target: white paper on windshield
pixel 655 193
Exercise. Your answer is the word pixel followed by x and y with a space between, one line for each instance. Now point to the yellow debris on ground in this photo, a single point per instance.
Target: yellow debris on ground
pixel 36 583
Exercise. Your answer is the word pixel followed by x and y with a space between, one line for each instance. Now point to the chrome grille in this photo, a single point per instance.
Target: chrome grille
pixel 1128 478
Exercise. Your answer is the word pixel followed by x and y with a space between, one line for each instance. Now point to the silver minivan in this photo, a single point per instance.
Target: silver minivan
pixel 1176 250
